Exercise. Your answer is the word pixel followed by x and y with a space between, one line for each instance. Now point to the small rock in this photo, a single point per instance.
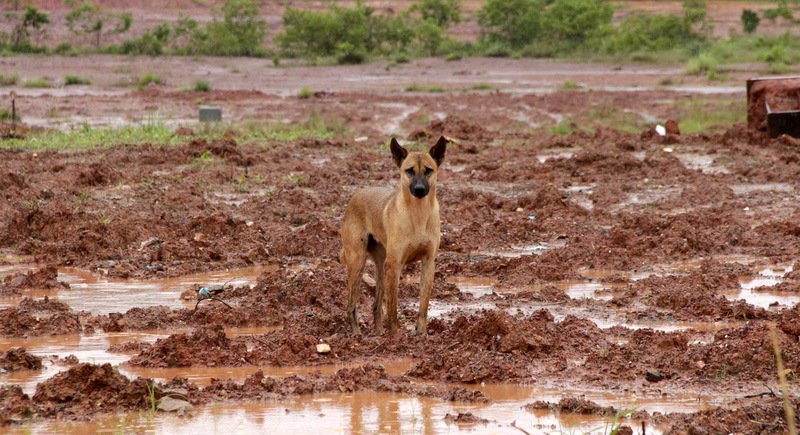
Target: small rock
pixel 661 130
pixel 171 404
pixel 149 242
pixel 700 364
pixel 520 209
pixel 368 280
pixel 323 348
pixel 653 376
pixel 361 139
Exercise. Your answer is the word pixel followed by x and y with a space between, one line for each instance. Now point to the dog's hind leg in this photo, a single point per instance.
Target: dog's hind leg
pixel 379 257
pixel 354 255
pixel 425 287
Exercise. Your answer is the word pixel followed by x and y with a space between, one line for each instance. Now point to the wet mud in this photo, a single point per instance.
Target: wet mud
pixel 604 261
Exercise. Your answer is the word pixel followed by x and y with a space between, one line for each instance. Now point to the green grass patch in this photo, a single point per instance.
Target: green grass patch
pixel 563 128
pixel 481 87
pixel 305 93
pixel 202 86
pixel 424 88
pixel 39 82
pixel 8 80
pixel 569 85
pixel 148 78
pixel 155 132
pixel 5 115
pixel 73 80
pixel 700 115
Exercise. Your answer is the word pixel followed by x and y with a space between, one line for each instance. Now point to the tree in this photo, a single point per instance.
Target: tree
pixel 750 20
pixel 31 21
pixel 512 22
pixel 442 12
pixel 92 20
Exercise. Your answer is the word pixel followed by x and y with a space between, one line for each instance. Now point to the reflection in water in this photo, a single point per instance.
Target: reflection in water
pixel 94 349
pixel 372 412
pixel 101 295
pixel 753 289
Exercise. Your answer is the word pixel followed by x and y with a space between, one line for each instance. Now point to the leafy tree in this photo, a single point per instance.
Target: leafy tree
pixel 442 12
pixel 240 32
pixel 570 23
pixel 750 20
pixel 31 21
pixel 513 22
pixel 92 20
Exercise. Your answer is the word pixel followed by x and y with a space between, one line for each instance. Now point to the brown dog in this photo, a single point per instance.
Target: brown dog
pixel 395 227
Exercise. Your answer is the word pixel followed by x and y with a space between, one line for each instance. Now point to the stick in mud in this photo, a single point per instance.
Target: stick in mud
pixel 787 406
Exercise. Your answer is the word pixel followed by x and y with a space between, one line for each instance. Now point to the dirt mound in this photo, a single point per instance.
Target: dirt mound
pixel 369 377
pixel 453 127
pixel 44 278
pixel 15 406
pixel 495 346
pixel 88 388
pixel 746 353
pixel 205 346
pixel 574 405
pixel 694 296
pixel 19 359
pixel 464 418
pixel 764 416
pixel 38 317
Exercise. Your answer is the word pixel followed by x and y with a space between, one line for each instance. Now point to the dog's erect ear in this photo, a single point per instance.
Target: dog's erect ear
pixel 437 151
pixel 398 152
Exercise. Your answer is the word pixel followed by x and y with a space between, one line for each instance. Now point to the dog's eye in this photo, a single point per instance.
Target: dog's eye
pixel 428 171
pixel 410 172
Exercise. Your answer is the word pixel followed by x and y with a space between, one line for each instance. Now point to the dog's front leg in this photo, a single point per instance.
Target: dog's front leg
pixel 425 287
pixel 391 273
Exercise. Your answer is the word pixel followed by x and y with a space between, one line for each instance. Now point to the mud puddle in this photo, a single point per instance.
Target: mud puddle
pixel 203 375
pixel 756 290
pixel 373 412
pixel 94 349
pixel 517 251
pixel 102 295
pixel 704 163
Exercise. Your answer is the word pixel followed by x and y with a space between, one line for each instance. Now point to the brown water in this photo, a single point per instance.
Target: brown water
pixel 371 412
pixel 102 295
pixel 94 349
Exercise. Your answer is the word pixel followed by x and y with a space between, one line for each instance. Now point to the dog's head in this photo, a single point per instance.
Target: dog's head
pixel 418 170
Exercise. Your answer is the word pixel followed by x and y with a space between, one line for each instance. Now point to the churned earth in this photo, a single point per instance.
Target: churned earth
pixel 583 274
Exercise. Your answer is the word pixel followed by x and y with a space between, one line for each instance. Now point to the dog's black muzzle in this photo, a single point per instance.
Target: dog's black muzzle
pixel 419 187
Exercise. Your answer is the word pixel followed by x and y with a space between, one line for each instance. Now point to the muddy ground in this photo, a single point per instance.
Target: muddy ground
pixel 599 261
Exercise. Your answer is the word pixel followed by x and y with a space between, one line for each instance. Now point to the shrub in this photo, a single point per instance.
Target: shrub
pixel 31 21
pixel 781 10
pixel 40 82
pixel 570 23
pixel 350 34
pixel 148 78
pixel 513 23
pixel 95 22
pixel 442 12
pixel 703 64
pixel 546 27
pixel 72 80
pixel 202 86
pixel 305 93
pixel 643 33
pixel 750 20
pixel 8 80
pixel 151 43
